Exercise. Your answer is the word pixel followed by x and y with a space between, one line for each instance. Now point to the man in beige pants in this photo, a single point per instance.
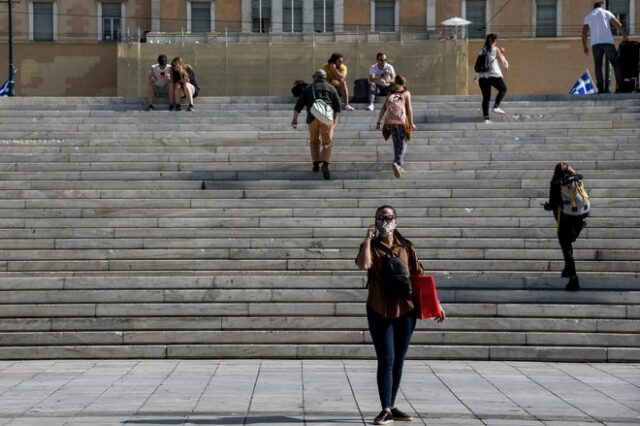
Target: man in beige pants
pixel 319 133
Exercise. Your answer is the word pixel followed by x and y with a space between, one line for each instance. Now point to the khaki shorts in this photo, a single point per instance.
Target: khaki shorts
pixel 320 133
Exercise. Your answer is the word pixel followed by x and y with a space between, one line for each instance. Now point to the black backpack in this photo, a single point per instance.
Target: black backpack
pixel 360 90
pixel 299 86
pixel 394 277
pixel 483 62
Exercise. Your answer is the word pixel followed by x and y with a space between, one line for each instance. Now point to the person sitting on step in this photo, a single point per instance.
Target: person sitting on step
pixel 184 84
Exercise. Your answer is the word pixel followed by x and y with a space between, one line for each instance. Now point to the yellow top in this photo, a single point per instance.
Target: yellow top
pixel 331 72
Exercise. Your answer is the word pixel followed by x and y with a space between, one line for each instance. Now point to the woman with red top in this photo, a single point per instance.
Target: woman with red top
pixel 391 319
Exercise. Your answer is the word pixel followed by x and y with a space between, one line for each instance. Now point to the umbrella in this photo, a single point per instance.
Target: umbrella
pixel 455 22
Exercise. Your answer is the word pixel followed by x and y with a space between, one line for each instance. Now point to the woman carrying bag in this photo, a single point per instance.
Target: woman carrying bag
pixel 387 256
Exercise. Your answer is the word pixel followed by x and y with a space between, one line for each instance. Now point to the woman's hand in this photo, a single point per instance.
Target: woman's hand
pixel 371 232
pixel 378 125
pixel 413 126
pixel 442 316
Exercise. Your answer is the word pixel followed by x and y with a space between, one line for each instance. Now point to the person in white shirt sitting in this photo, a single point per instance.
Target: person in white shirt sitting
pixel 598 24
pixel 159 85
pixel 381 76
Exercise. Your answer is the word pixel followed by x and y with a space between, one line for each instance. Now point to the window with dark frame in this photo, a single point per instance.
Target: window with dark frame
pixel 620 8
pixel 292 16
pixel 261 16
pixel 385 15
pixel 43 21
pixel 111 21
pixel 200 17
pixel 476 12
pixel 323 16
pixel 546 18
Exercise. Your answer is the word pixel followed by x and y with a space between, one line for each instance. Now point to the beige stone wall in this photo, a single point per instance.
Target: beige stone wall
pixel 265 70
pixel 54 69
pixel 539 66
pixel 228 15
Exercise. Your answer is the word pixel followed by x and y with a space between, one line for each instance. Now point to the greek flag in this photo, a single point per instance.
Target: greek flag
pixel 584 85
pixel 4 89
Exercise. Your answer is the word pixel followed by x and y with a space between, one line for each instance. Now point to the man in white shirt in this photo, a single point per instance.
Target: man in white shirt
pixel 381 76
pixel 598 23
pixel 159 84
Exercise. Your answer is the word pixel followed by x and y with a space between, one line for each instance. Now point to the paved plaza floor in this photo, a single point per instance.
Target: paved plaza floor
pixel 314 392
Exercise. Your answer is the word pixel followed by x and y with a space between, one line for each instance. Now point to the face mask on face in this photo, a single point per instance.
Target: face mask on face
pixel 384 227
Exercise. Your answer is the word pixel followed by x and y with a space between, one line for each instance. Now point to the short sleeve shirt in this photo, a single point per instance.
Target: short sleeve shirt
pixel 390 307
pixel 331 73
pixel 599 22
pixel 156 71
pixel 387 71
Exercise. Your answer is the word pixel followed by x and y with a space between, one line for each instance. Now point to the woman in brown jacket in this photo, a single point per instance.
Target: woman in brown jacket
pixel 391 320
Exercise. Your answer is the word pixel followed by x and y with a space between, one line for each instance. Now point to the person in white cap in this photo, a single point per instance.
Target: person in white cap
pixel 319 133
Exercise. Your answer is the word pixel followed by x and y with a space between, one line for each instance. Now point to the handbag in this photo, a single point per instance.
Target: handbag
pixel 321 110
pixel 425 296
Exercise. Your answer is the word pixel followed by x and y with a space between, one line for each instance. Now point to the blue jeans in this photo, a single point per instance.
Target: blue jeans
pixel 399 137
pixel 599 51
pixel 391 340
pixel 375 90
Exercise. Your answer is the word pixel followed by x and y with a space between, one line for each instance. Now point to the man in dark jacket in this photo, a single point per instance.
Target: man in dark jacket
pixel 319 133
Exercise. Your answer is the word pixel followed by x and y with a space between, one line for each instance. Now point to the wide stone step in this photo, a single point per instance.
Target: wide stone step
pixel 479 352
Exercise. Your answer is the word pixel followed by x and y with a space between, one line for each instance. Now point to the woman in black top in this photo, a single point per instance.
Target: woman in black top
pixel 569 226
pixel 184 83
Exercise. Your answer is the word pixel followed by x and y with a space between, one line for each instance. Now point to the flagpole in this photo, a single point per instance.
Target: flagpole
pixel 11 82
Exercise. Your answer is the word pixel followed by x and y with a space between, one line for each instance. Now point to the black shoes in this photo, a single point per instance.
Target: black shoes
pixel 172 107
pixel 150 107
pixel 327 174
pixel 384 418
pixel 573 284
pixel 191 108
pixel 400 415
pixel 316 166
pixel 178 107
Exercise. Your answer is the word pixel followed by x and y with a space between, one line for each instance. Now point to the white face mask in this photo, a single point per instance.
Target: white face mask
pixel 385 228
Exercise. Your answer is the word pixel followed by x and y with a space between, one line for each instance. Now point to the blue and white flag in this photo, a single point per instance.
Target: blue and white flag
pixel 584 85
pixel 4 89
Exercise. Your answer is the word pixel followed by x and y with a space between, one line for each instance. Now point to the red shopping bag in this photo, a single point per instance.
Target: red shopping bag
pixel 425 296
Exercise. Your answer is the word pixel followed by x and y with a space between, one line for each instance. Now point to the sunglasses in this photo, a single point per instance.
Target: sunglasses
pixel 387 218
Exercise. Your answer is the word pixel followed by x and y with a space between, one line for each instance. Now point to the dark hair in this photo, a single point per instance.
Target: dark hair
pixel 491 38
pixel 561 171
pixel 379 54
pixel 163 58
pixel 334 57
pixel 403 241
pixel 598 4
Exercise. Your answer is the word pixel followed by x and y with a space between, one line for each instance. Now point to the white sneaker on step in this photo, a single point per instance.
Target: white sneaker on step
pixel 498 110
pixel 487 121
pixel 348 108
pixel 370 107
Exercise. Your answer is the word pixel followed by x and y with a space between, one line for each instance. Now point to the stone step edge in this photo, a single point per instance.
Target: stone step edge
pixel 462 352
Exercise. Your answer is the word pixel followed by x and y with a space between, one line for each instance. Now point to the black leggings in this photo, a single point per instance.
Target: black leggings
pixel 569 229
pixel 485 87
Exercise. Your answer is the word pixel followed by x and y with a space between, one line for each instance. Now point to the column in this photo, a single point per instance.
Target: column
pixel 307 16
pixel 276 15
pixel 338 16
pixel 246 16
pixel 431 15
pixel 155 15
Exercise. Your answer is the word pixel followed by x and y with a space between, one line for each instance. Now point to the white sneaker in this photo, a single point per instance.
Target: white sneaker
pixel 487 121
pixel 348 108
pixel 397 170
pixel 498 110
pixel 370 107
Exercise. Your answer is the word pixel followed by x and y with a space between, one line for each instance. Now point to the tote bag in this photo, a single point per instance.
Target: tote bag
pixel 321 110
pixel 425 296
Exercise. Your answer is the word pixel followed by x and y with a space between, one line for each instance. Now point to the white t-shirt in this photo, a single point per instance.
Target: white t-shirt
pixel 599 22
pixel 495 70
pixel 386 71
pixel 156 71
